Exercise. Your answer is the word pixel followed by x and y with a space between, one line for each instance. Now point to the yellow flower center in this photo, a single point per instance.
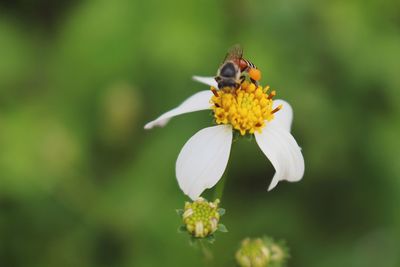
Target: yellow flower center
pixel 247 108
pixel 201 217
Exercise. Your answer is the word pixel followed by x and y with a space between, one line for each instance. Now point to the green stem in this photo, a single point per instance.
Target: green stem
pixel 219 188
pixel 208 256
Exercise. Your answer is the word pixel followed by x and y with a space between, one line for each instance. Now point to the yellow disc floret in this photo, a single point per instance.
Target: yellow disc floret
pixel 201 217
pixel 247 108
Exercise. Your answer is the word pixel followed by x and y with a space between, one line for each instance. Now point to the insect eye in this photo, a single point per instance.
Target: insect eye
pixel 228 70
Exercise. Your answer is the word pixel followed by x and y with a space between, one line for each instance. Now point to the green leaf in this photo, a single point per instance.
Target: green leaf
pixel 221 211
pixel 222 228
pixel 210 239
pixel 182 229
pixel 180 212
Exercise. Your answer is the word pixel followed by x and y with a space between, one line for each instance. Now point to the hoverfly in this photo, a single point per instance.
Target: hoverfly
pixel 231 72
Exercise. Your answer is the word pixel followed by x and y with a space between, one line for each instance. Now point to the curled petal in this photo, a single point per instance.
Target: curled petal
pixel 206 80
pixel 198 101
pixel 203 159
pixel 283 117
pixel 283 151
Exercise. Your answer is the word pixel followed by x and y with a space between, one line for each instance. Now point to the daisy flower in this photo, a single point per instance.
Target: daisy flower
pixel 250 109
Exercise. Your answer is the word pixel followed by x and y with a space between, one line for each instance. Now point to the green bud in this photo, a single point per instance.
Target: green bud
pixel 279 251
pixel 261 252
pixel 253 253
pixel 201 217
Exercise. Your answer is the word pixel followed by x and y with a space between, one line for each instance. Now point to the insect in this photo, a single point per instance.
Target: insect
pixel 231 72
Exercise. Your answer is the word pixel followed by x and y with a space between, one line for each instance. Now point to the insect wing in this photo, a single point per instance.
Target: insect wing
pixel 235 53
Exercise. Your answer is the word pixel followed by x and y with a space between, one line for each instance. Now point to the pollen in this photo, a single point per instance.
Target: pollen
pixel 255 74
pixel 247 108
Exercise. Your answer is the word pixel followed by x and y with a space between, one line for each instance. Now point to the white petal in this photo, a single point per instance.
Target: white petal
pixel 206 80
pixel 283 151
pixel 283 117
pixel 203 159
pixel 198 101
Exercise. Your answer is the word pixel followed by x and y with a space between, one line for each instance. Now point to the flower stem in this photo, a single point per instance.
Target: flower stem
pixel 208 255
pixel 219 189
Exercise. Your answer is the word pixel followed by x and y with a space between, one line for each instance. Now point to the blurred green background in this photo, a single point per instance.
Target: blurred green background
pixel 82 184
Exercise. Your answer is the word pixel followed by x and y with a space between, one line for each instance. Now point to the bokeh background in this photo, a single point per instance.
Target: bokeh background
pixel 82 184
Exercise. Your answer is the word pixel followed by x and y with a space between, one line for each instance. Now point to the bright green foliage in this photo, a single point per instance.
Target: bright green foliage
pixel 82 184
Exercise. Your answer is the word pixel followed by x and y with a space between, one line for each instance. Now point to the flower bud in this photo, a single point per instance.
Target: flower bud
pixel 261 252
pixel 253 253
pixel 201 217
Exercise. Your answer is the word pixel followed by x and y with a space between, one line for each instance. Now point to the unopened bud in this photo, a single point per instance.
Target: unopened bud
pixel 201 217
pixel 261 252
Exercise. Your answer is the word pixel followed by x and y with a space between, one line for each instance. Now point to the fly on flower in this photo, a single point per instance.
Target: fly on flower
pixel 249 109
pixel 231 72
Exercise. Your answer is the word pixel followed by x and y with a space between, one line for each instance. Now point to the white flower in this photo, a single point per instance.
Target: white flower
pixel 204 157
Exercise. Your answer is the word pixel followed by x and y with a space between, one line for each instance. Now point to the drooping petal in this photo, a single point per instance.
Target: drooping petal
pixel 203 159
pixel 283 151
pixel 210 81
pixel 198 101
pixel 283 117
